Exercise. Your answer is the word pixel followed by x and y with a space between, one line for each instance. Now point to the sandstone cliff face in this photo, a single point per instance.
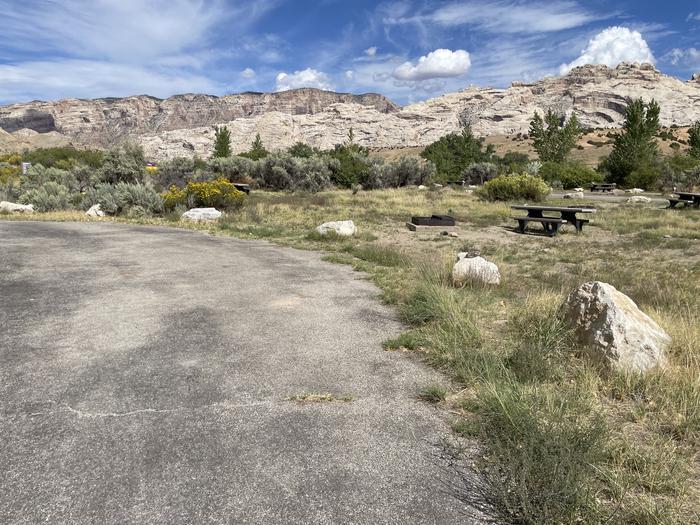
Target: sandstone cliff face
pixel 183 125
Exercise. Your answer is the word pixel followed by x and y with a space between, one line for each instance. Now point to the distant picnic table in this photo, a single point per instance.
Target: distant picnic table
pixel 551 225
pixel 603 186
pixel 688 198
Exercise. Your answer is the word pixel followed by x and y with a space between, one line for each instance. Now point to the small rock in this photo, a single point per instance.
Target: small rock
pixel 436 185
pixel 637 199
pixel 202 214
pixel 578 190
pixel 11 207
pixel 667 237
pixel 342 228
pixel 474 269
pixel 469 192
pixel 635 190
pixel 95 211
pixel 421 187
pixel 574 195
pixel 613 329
pixel 453 234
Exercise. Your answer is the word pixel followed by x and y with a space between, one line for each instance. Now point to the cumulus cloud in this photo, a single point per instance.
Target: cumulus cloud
pixel 693 16
pixel 371 51
pixel 306 78
pixel 611 47
pixel 441 63
pixel 248 73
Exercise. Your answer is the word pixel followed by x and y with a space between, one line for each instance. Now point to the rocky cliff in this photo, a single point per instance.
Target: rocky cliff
pixel 183 125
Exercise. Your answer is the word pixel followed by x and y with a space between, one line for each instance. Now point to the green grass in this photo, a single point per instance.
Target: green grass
pixel 559 440
pixel 433 394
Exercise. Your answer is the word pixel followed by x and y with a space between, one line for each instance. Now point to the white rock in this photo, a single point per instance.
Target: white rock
pixel 474 269
pixel 342 228
pixel 578 190
pixel 613 329
pixel 202 214
pixel 574 195
pixel 95 211
pixel 11 207
pixel 421 187
pixel 638 199
pixel 635 190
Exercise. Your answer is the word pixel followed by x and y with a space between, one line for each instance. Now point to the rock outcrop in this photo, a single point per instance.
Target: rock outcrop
pixel 615 331
pixel 11 207
pixel 201 214
pixel 183 125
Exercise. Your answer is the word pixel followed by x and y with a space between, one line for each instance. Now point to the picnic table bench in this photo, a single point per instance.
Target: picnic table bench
pixel 686 197
pixel 551 225
pixel 603 186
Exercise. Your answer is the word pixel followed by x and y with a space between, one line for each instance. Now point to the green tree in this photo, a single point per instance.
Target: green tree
pixel 354 166
pixel 257 149
pixel 454 153
pixel 302 150
pixel 694 140
pixel 635 148
pixel 554 137
pixel 222 142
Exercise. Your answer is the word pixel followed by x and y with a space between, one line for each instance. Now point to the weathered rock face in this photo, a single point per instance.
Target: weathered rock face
pixel 95 211
pixel 614 329
pixel 474 269
pixel 183 125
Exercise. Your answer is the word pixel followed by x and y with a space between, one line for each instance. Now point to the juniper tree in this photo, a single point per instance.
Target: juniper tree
pixel 222 142
pixel 554 137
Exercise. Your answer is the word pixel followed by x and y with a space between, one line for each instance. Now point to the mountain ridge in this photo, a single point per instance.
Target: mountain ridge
pixel 184 124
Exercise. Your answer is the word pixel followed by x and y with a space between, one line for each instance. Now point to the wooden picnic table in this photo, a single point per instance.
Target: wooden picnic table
pixel 551 225
pixel 688 198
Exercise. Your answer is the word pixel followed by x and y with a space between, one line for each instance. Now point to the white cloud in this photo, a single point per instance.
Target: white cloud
pixel 349 74
pixel 307 78
pixel 90 79
pixel 693 16
pixel 507 16
pixel 611 47
pixel 371 51
pixel 689 58
pixel 248 73
pixel 441 63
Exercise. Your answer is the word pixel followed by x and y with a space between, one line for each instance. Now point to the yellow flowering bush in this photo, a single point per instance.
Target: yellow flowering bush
pixel 218 193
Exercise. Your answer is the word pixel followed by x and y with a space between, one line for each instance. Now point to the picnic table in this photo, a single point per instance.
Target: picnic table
pixel 551 225
pixel 686 197
pixel 603 186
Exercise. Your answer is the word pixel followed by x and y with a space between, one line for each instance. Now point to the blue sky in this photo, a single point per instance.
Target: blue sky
pixel 408 50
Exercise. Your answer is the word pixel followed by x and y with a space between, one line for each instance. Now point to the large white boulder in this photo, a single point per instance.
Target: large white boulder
pixel 95 211
pixel 342 228
pixel 201 214
pixel 635 190
pixel 475 269
pixel 574 195
pixel 638 199
pixel 11 207
pixel 613 329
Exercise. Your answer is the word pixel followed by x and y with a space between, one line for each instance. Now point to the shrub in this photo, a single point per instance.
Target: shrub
pixel 480 172
pixel 453 153
pixel 511 187
pixel 124 198
pixel 235 168
pixel 302 150
pixel 569 174
pixel 178 170
pixel 49 196
pixel 257 150
pixel 645 175
pixel 512 162
pixel 39 175
pixel 405 171
pixel 125 163
pixel 694 140
pixel 64 157
pixel 282 171
pixel 218 193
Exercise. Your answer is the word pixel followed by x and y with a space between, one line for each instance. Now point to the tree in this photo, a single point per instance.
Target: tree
pixel 635 148
pixel 454 153
pixel 302 150
pixel 222 142
pixel 257 149
pixel 694 140
pixel 554 137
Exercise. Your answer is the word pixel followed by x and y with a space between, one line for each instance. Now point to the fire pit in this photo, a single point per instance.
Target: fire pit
pixel 428 223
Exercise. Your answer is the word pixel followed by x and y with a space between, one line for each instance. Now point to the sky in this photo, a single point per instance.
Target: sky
pixel 408 50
